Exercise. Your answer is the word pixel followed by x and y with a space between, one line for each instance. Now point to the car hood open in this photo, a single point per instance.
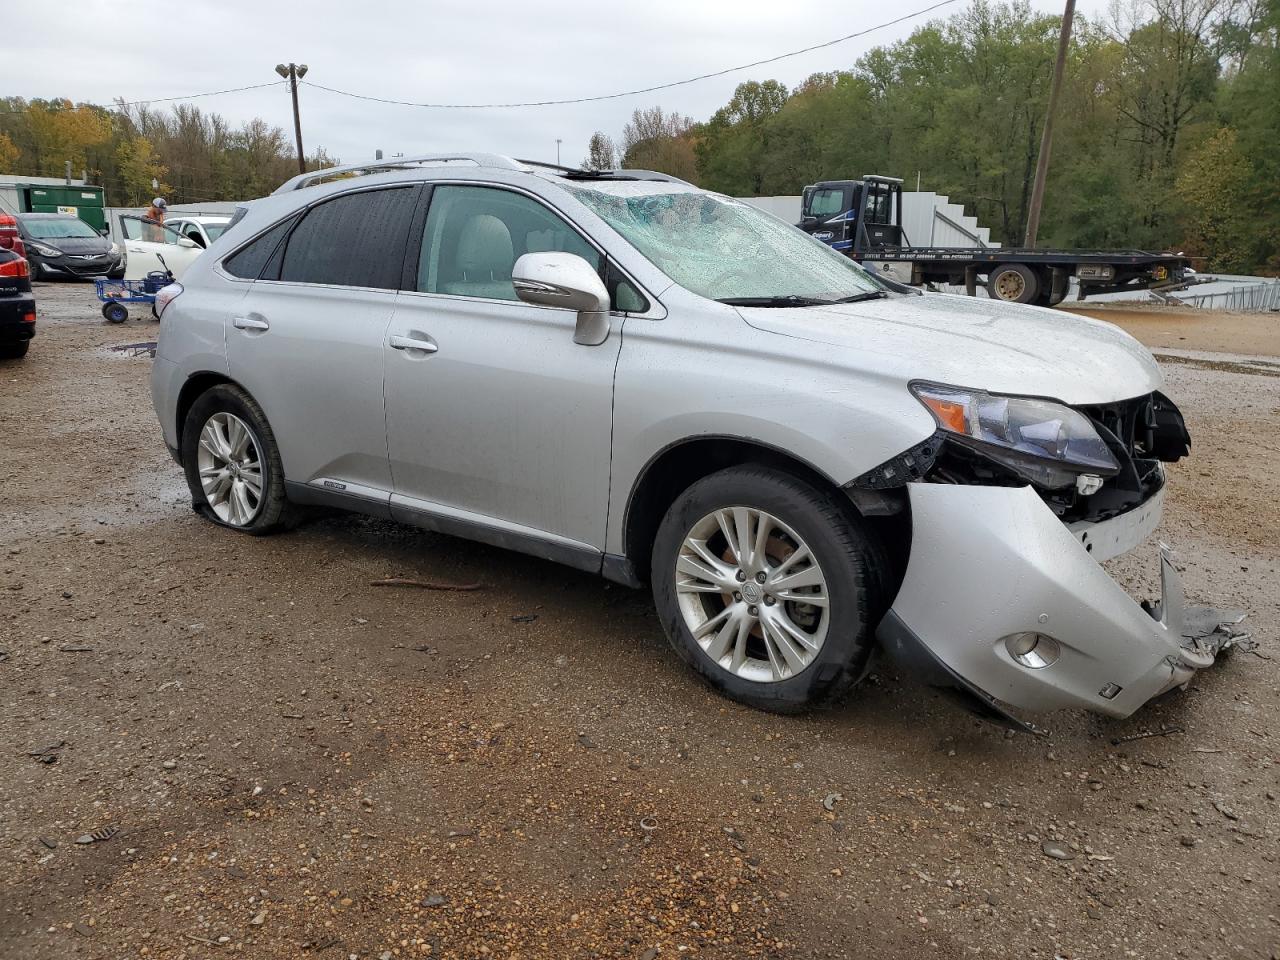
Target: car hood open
pixel 973 342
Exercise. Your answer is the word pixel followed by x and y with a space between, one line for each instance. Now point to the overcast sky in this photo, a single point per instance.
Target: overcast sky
pixel 478 51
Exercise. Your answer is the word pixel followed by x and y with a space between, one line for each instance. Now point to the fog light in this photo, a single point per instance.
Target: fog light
pixel 1034 650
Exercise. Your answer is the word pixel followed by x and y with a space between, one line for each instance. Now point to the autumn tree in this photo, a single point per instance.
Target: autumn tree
pixel 601 153
pixel 9 153
pixel 656 140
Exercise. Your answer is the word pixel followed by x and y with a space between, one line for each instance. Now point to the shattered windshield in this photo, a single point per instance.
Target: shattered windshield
pixel 725 249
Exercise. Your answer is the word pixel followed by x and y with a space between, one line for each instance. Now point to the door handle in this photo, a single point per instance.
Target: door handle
pixel 413 343
pixel 250 323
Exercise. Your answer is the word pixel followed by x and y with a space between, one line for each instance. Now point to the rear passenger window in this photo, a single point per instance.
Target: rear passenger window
pixel 475 235
pixel 356 240
pixel 248 261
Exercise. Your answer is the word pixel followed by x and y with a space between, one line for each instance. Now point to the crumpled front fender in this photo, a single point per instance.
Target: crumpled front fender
pixel 990 562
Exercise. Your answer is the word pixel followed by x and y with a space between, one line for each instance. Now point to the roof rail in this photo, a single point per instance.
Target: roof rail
pixel 397 163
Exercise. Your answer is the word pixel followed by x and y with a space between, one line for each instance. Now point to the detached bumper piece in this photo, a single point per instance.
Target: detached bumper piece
pixel 1004 602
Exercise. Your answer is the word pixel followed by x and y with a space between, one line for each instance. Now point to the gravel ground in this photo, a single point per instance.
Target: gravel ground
pixel 300 764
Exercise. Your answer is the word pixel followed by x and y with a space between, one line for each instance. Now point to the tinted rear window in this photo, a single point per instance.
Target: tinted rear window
pixel 248 261
pixel 356 240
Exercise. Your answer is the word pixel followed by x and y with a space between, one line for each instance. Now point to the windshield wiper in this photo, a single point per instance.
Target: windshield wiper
pixel 859 297
pixel 790 300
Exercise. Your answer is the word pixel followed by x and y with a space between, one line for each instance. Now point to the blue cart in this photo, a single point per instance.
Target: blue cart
pixel 114 294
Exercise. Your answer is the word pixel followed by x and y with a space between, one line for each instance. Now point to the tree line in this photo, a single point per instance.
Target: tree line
pixel 1165 136
pixel 136 152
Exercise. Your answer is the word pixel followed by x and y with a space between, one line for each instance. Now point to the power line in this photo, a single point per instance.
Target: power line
pixel 631 93
pixel 185 96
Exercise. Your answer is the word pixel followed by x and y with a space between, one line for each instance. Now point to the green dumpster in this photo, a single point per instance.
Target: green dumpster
pixel 83 202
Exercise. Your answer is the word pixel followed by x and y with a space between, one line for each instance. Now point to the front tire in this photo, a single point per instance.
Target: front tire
pixel 769 587
pixel 232 463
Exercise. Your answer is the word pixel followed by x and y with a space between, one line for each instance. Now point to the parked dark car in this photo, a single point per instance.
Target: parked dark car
pixel 61 245
pixel 17 306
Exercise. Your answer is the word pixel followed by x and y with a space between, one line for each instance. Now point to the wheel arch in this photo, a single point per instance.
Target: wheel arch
pixel 194 386
pixel 674 469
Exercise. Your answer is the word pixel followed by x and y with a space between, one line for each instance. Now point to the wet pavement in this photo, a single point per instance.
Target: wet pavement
pixel 298 763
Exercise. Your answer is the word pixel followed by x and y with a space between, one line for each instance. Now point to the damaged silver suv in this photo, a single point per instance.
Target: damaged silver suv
pixel 624 373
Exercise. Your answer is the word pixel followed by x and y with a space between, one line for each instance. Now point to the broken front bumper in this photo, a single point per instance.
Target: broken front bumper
pixel 990 563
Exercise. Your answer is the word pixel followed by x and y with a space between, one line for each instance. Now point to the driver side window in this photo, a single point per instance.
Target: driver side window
pixel 139 228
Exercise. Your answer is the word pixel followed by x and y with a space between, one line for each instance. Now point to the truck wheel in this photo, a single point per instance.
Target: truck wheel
pixel 768 587
pixel 1013 283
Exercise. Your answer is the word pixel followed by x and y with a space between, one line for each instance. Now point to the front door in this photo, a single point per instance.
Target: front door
pixel 147 242
pixel 496 419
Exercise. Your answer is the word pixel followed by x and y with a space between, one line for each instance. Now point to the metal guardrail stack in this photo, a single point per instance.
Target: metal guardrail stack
pixel 1255 297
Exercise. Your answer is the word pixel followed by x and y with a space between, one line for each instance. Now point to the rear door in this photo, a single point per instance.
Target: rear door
pixel 307 340
pixel 146 243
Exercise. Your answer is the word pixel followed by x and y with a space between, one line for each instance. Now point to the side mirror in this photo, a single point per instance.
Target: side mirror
pixel 104 232
pixel 187 242
pixel 565 280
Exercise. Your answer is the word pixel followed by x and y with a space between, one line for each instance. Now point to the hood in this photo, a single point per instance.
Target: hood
pixel 974 342
pixel 77 246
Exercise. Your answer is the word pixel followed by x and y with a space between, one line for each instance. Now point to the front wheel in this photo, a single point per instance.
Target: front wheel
pixel 115 312
pixel 232 464
pixel 769 587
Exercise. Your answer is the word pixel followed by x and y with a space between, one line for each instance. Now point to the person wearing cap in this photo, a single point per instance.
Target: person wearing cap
pixel 153 221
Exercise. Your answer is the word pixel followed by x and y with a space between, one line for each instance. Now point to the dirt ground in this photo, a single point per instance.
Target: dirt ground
pixel 300 764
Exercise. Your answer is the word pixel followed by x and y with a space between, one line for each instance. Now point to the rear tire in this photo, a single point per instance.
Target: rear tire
pixel 232 463
pixel 14 351
pixel 1013 283
pixel 813 536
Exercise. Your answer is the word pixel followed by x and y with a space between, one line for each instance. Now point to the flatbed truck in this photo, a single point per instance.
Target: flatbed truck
pixel 863 218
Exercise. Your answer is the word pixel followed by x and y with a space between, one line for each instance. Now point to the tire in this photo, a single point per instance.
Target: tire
pixel 115 312
pixel 1013 283
pixel 266 512
pixel 14 351
pixel 850 561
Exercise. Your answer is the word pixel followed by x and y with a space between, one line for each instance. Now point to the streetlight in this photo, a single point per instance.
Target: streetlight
pixel 294 72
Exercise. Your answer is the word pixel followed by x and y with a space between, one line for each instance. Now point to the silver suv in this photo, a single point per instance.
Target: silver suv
pixel 629 375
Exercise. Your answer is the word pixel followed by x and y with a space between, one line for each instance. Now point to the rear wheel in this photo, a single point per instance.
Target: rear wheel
pixel 768 587
pixel 232 464
pixel 14 351
pixel 115 312
pixel 1013 283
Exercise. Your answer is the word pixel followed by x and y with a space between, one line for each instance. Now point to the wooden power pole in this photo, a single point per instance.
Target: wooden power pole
pixel 1046 138
pixel 293 72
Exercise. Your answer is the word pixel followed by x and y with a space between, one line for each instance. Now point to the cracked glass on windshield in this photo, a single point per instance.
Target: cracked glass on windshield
pixel 725 249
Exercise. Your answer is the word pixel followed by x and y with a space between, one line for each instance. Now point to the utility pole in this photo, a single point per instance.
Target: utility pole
pixel 1046 138
pixel 294 72
pixel 557 151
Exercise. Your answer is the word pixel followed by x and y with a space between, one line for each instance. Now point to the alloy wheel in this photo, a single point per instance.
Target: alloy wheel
pixel 230 463
pixel 752 594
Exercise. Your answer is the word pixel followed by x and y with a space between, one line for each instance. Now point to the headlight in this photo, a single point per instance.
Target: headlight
pixel 1044 442
pixel 45 251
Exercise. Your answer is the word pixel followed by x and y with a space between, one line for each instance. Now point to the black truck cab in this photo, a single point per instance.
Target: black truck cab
pixel 854 215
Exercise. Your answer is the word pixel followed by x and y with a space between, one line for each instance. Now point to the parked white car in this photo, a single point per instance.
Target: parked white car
pixel 627 374
pixel 202 229
pixel 147 243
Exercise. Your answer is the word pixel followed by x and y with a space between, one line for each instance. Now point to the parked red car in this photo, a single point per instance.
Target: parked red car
pixel 9 238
